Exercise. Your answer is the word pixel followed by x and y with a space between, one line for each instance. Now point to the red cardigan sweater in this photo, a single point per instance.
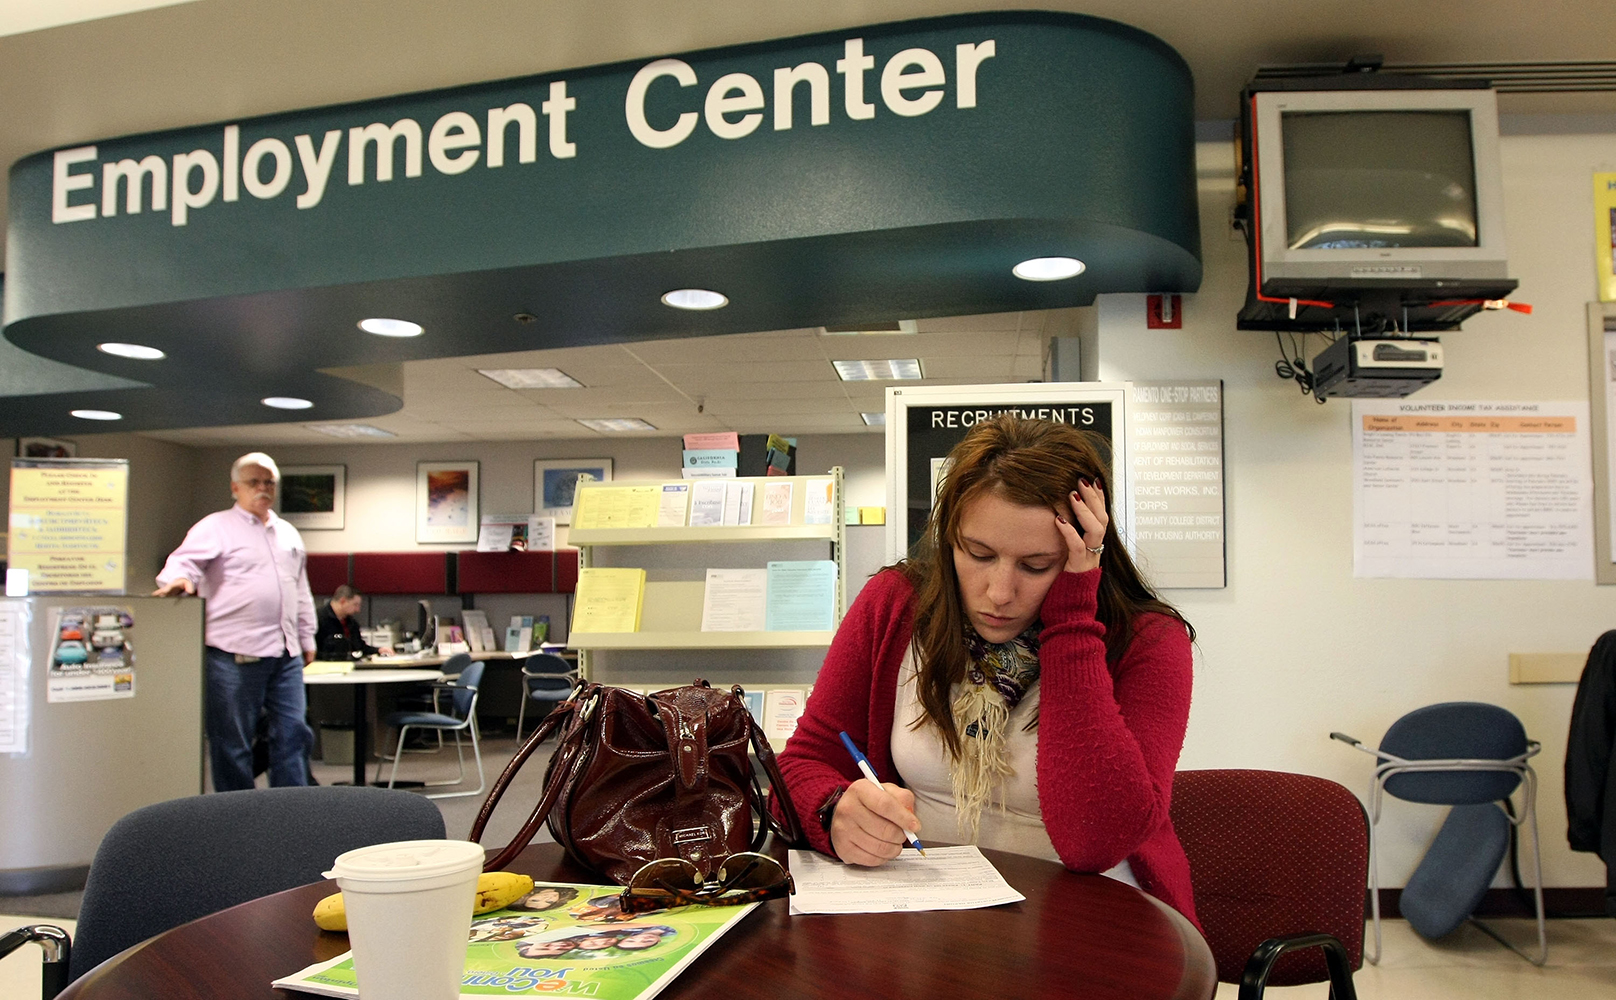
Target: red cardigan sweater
pixel 1108 739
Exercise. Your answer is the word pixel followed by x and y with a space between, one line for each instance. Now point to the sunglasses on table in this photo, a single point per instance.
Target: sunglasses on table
pixel 740 879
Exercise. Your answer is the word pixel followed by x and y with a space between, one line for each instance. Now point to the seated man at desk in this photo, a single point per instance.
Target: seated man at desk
pixel 337 635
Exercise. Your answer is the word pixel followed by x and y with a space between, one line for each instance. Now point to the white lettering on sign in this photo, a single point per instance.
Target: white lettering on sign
pixel 913 82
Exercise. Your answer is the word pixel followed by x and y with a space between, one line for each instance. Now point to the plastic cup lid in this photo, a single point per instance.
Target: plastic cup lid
pixel 407 859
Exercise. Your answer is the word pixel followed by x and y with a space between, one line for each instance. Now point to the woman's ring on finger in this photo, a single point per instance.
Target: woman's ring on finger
pixel 1096 549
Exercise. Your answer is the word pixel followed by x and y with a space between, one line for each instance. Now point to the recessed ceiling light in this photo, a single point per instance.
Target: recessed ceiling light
pixel 872 329
pixel 139 352
pixel 694 298
pixel 617 424
pixel 875 419
pixel 531 378
pixel 878 371
pixel 1048 268
pixel 286 402
pixel 350 430
pixel 97 415
pixel 383 327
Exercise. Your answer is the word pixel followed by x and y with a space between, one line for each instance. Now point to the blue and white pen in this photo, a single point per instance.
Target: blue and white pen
pixel 869 772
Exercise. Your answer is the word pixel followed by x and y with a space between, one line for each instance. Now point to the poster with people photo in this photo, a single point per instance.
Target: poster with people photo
pixel 563 939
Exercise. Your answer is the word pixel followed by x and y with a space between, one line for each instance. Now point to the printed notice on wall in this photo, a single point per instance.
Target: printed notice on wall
pixel 1175 446
pixel 68 518
pixel 1472 491
pixel 91 657
pixel 14 665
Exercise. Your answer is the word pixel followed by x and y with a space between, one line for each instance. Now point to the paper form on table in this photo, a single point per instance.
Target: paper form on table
pixel 947 878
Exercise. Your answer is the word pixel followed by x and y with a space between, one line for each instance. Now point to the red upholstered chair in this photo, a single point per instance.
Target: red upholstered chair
pixel 1278 862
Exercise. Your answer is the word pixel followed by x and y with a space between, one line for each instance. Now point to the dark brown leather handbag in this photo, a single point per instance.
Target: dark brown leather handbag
pixel 639 777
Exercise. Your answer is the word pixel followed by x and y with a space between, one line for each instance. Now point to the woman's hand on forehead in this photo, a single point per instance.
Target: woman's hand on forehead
pixel 1083 526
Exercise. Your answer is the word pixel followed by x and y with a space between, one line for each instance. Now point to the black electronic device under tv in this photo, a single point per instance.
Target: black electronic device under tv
pixel 1370 202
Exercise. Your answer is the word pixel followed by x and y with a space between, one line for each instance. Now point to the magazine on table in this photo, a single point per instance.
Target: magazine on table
pixel 569 934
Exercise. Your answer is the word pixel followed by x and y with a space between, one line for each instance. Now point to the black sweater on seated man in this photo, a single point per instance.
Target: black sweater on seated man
pixel 337 635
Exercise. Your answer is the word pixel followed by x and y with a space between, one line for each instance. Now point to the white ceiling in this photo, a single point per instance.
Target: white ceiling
pixel 751 383
pixel 184 64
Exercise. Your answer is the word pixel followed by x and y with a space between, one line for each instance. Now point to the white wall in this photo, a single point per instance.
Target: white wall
pixel 1295 647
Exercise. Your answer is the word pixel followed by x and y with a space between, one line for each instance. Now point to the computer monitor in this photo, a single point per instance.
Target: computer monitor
pixel 1372 204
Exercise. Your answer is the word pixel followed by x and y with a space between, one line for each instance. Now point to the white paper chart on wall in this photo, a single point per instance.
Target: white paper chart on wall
pixel 1472 490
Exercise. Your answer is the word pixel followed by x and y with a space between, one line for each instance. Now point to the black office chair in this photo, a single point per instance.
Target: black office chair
pixel 549 679
pixel 461 717
pixel 1472 756
pixel 169 863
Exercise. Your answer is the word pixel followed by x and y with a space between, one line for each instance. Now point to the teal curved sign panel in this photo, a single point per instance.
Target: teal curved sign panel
pixel 892 171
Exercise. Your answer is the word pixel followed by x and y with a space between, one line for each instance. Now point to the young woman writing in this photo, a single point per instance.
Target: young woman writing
pixel 1016 684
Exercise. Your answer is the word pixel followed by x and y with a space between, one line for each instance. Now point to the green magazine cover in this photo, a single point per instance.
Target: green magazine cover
pixel 562 940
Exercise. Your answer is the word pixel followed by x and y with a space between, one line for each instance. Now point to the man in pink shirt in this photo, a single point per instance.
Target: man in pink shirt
pixel 250 566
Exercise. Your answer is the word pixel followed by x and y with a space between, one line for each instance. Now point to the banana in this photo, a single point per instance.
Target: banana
pixel 495 891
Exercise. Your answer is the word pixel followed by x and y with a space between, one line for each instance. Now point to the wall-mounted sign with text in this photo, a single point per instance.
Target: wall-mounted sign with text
pixel 1175 451
pixel 69 519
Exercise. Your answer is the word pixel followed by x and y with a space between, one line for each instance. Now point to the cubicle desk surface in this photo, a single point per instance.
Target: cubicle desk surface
pixel 364 683
pixel 1074 935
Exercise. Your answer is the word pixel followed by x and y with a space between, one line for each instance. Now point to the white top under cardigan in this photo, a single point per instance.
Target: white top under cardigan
pixel 922 763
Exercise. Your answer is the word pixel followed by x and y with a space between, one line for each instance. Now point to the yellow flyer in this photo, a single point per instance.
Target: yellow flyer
pixel 1605 234
pixel 69 520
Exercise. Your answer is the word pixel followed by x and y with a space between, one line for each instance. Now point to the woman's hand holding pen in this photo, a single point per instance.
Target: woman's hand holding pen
pixel 1084 527
pixel 868 825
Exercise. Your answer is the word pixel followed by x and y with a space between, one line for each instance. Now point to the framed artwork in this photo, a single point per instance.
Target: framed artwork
pixel 446 502
pixel 37 447
pixel 312 497
pixel 556 479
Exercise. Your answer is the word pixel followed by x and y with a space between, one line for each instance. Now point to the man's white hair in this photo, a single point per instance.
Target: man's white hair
pixel 255 458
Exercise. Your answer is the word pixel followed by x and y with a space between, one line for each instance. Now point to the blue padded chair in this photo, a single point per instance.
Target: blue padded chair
pixel 1471 756
pixel 461 717
pixel 165 864
pixel 549 679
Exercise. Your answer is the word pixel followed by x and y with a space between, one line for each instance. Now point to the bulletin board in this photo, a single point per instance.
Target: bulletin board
pixel 925 422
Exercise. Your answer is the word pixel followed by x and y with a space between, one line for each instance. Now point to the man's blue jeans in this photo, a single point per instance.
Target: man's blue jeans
pixel 237 692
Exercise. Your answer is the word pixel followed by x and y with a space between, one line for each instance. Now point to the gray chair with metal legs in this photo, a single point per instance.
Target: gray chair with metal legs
pixel 1471 756
pixel 548 678
pixel 461 717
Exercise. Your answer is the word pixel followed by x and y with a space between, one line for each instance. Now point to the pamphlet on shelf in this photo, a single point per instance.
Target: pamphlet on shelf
pixel 490 643
pixel 776 504
pixel 616 507
pixel 818 501
pixel 518 639
pixel 735 600
pixel 494 536
pixel 540 534
pixel 709 472
pixel 608 600
pixel 476 623
pixel 535 952
pixel 706 504
pixel 674 506
pixel 711 458
pixel 782 707
pixel 728 440
pixel 802 596
pixel 754 704
pixel 947 878
pixel 745 514
pixel 737 496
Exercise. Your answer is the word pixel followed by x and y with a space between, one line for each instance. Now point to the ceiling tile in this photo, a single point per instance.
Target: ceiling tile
pixel 997 322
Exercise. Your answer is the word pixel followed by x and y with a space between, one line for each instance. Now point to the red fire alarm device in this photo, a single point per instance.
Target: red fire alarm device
pixel 1164 312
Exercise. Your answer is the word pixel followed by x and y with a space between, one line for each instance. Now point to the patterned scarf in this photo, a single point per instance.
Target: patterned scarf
pixel 998 678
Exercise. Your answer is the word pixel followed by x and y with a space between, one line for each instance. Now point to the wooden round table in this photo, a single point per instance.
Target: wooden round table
pixel 1074 935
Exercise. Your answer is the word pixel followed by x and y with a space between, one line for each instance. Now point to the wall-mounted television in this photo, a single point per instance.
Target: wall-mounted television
pixel 1371 203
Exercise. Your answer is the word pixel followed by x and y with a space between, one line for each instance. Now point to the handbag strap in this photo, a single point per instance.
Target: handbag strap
pixel 574 713
pixel 791 829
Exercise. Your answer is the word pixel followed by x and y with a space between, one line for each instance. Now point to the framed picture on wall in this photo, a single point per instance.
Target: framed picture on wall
pixel 446 498
pixel 311 497
pixel 37 447
pixel 556 479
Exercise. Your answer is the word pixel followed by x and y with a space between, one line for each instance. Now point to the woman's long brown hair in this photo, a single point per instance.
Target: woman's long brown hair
pixel 1033 463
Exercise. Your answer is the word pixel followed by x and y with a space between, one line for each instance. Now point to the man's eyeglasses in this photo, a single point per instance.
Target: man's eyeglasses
pixel 741 878
pixel 257 484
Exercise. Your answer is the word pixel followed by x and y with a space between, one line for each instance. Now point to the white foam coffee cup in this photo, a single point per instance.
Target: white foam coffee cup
pixel 409 909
